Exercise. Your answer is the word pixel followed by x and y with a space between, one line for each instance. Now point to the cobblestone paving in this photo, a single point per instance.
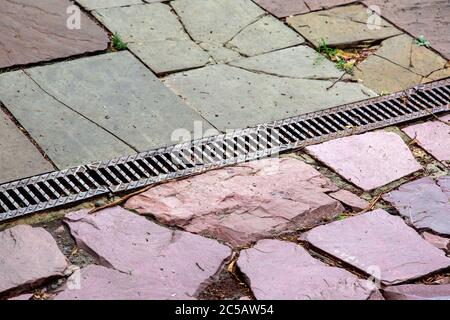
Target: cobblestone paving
pixel 361 217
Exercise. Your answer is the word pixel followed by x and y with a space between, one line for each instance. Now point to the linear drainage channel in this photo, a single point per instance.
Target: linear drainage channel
pixel 59 188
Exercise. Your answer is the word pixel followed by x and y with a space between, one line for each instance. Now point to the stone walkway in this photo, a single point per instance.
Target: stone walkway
pixel 360 217
pixel 195 68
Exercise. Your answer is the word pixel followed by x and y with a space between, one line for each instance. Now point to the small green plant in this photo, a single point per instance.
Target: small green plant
pixel 344 61
pixel 329 52
pixel 422 42
pixel 117 42
pixel 341 217
pixel 343 65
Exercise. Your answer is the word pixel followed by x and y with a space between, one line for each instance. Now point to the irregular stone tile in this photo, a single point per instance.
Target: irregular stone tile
pixel 325 4
pixel 437 241
pixel 265 35
pixel 404 51
pixel 129 108
pixel 66 137
pixel 376 295
pixel 38 32
pixel 283 8
pixel 284 270
pixel 237 24
pixel 379 244
pixel 99 283
pixel 433 136
pixel 428 18
pixel 383 76
pixel 341 26
pixel 350 199
pixel 369 160
pixel 244 203
pixel 136 246
pixel 28 256
pixel 418 292
pixel 155 35
pixel 19 158
pixel 437 75
pixel 230 97
pixel 423 203
pixel 100 4
pixel 219 53
pixel 26 296
pixel 296 62
pixel 444 183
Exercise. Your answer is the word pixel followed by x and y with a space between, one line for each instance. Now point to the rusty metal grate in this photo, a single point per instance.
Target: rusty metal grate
pixel 59 188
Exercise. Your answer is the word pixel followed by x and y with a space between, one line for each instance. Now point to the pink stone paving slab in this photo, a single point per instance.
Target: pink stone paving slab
pixel 34 31
pixel 437 241
pixel 283 8
pixel 131 244
pixel 25 296
pixel 423 204
pixel 28 257
pixel 418 292
pixel 428 18
pixel 379 244
pixel 369 160
pixel 350 199
pixel 244 203
pixel 284 270
pixel 444 183
pixel 100 283
pixel 433 136
pixel 325 4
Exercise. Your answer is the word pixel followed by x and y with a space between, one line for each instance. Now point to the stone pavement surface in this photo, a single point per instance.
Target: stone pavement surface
pixel 19 158
pixel 362 217
pixel 39 32
pixel 357 157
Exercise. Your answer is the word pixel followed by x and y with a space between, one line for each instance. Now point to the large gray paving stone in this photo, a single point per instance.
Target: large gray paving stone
pixel 100 4
pixel 370 160
pixel 340 26
pixel 381 245
pixel 125 103
pixel 155 35
pixel 28 257
pixel 244 203
pixel 230 97
pixel 67 138
pixel 174 263
pixel 19 158
pixel 284 270
pixel 34 31
pixel 423 203
pixel 236 24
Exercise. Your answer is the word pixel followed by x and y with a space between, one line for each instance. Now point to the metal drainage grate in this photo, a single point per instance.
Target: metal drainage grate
pixel 54 189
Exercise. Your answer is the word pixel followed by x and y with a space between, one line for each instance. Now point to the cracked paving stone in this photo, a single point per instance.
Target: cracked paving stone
pixel 19 158
pixel 370 160
pixel 418 292
pixel 233 98
pixel 244 203
pixel 284 270
pixel 239 25
pixel 28 257
pixel 123 108
pixel 39 32
pixel 428 18
pixel 325 4
pixel 296 62
pixel 155 258
pixel 433 136
pixel 102 4
pixel 379 244
pixel 283 8
pixel 341 26
pixel 155 35
pixel 350 199
pixel 423 203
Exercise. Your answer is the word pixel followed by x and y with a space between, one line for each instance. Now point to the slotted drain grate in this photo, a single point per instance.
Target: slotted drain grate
pixel 38 193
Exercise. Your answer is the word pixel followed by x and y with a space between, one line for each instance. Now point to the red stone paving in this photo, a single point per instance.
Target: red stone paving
pixel 34 31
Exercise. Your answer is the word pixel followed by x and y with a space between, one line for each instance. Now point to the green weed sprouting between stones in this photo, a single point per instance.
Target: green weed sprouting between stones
pixel 117 42
pixel 422 42
pixel 336 56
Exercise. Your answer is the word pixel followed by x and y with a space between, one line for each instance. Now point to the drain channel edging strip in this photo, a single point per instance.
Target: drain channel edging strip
pixel 59 188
